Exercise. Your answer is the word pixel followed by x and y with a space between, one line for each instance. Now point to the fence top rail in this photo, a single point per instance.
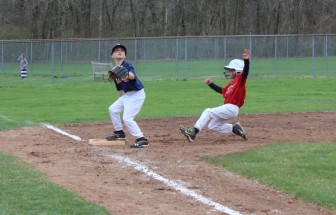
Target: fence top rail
pixel 117 39
pixel 101 63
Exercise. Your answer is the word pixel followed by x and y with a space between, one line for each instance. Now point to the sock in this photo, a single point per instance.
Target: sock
pixel 196 130
pixel 119 132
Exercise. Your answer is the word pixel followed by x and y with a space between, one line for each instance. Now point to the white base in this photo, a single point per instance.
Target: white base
pixel 104 142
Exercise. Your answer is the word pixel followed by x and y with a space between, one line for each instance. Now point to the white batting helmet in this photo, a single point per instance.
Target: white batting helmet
pixel 235 64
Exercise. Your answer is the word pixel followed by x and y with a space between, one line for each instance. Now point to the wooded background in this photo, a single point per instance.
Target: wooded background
pixel 54 19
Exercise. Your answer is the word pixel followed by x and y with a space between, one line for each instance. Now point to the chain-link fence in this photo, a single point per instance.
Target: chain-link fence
pixel 173 57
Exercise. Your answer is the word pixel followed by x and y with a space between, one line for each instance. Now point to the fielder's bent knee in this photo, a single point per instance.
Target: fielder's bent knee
pixel 113 111
pixel 207 110
pixel 128 121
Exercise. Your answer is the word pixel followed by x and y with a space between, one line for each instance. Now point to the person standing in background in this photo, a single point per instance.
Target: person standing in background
pixel 23 65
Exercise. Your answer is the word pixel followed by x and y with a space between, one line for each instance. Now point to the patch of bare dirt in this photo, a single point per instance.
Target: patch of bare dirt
pixel 89 171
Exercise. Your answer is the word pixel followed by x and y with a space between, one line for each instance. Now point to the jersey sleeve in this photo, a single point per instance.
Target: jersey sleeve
pixel 215 88
pixel 118 87
pixel 246 68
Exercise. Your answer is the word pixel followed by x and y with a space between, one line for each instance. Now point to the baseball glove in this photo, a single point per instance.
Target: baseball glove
pixel 118 72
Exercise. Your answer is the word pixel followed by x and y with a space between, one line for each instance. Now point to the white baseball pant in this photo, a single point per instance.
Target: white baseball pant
pixel 218 117
pixel 130 104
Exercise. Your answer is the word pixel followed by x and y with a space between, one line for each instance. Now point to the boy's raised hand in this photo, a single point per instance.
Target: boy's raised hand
pixel 246 54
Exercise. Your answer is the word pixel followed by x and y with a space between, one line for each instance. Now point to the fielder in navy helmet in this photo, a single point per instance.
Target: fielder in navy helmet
pixel 131 96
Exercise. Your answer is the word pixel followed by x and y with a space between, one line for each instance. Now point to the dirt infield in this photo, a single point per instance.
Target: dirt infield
pixel 95 175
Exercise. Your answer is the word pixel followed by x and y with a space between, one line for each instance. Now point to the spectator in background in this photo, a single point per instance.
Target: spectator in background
pixel 23 65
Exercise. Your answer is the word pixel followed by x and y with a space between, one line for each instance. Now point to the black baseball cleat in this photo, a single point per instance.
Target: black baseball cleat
pixel 140 143
pixel 189 133
pixel 237 129
pixel 116 136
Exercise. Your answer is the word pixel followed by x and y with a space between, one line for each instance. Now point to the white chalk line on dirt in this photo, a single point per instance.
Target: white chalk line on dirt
pixel 27 122
pixel 142 168
pixel 176 186
pixel 61 132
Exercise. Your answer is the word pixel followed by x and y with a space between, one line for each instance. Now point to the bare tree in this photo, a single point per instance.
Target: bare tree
pixel 125 18
pixel 109 13
pixel 35 14
pixel 239 10
pixel 80 15
pixel 49 20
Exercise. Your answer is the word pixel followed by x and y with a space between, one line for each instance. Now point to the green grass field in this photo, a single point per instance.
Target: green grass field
pixel 304 170
pixel 86 100
pixel 25 191
pixel 89 100
pixel 46 73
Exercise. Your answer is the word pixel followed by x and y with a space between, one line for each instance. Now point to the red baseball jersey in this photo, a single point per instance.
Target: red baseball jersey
pixel 235 91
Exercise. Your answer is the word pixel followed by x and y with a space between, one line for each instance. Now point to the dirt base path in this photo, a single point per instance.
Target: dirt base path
pixel 96 174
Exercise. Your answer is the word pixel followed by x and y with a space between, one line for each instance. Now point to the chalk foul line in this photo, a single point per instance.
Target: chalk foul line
pixel 170 183
pixel 61 132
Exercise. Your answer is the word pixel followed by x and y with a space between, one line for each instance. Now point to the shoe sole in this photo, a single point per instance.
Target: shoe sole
pixel 183 132
pixel 243 135
pixel 137 146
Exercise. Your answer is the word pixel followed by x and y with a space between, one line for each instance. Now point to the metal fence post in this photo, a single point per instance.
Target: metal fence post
pixel 177 57
pixel 52 63
pixel 224 50
pixel 186 58
pixel 2 57
pixel 275 55
pixel 135 51
pixel 326 57
pixel 287 46
pixel 99 50
pixel 106 52
pixel 31 57
pixel 144 50
pixel 61 60
pixel 313 56
pixel 250 48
